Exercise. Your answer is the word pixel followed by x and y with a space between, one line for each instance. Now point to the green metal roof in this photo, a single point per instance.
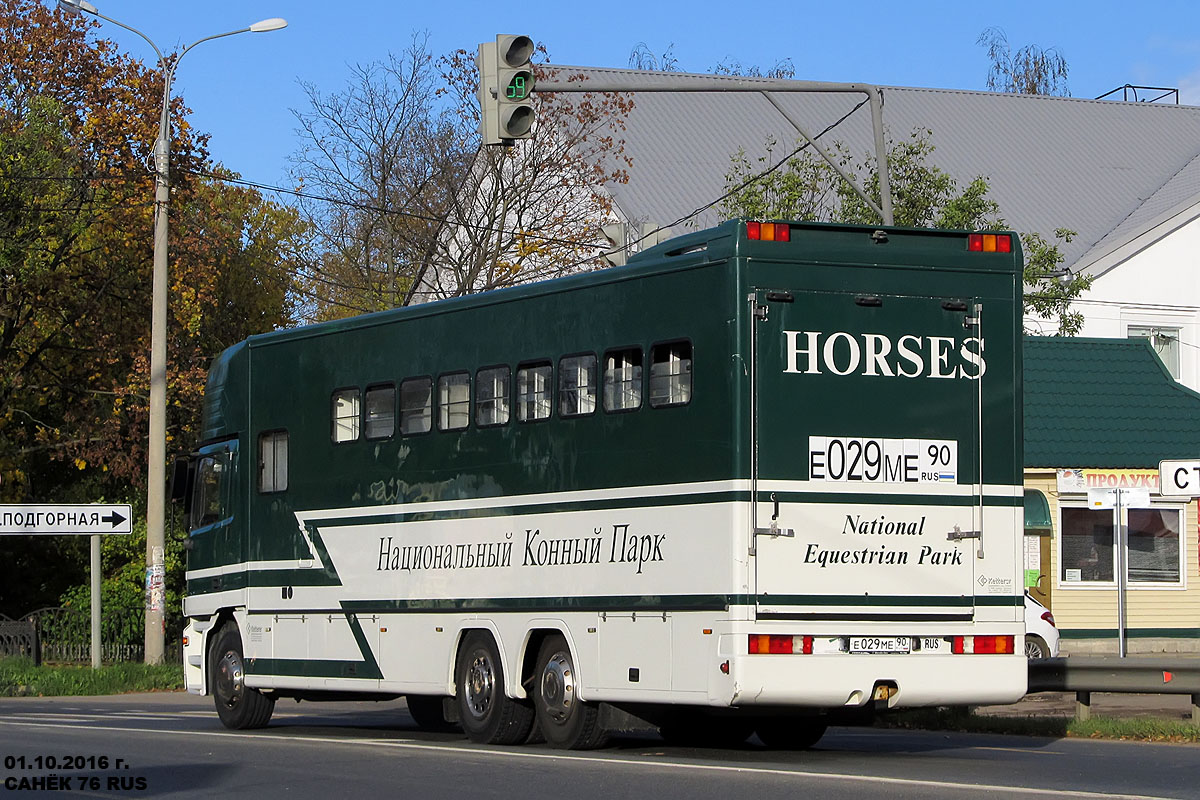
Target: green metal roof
pixel 1104 403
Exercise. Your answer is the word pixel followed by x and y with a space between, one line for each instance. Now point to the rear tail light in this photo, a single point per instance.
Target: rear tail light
pixel 989 242
pixel 1046 615
pixel 983 644
pixel 789 645
pixel 769 231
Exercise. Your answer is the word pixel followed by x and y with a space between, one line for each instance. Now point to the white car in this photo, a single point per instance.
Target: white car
pixel 1041 636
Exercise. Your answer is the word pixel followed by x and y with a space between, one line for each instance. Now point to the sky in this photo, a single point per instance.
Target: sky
pixel 244 90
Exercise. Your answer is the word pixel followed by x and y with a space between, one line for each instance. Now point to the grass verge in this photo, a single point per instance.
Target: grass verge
pixel 1145 729
pixel 20 678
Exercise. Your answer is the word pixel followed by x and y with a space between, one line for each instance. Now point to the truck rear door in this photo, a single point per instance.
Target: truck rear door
pixel 866 452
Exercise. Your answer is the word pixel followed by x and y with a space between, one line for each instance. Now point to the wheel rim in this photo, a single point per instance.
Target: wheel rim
pixel 480 685
pixel 558 687
pixel 1033 650
pixel 230 684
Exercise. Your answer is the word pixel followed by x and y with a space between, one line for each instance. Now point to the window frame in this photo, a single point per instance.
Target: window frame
pixel 429 406
pixel 260 461
pixel 518 398
pixel 1179 584
pixel 507 398
pixel 335 420
pixel 562 391
pixel 366 421
pixel 443 413
pixel 691 374
pixel 641 380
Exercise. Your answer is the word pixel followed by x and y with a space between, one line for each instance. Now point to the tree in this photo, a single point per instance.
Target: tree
pixel 77 124
pixel 803 186
pixel 421 208
pixel 1030 70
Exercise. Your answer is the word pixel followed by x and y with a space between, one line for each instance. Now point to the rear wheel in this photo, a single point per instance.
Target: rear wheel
pixel 488 715
pixel 791 733
pixel 692 729
pixel 238 706
pixel 1035 647
pixel 426 711
pixel 566 721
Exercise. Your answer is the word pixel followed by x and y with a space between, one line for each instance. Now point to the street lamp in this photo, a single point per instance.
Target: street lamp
pixel 156 488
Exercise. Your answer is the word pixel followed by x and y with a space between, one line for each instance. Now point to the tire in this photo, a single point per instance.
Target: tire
pixel 791 733
pixel 238 706
pixel 488 715
pixel 565 721
pixel 693 729
pixel 426 711
pixel 1035 647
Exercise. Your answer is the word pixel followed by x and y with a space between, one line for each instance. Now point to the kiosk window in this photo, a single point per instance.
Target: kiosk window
pixel 623 380
pixel 273 461
pixel 533 392
pixel 381 411
pixel 491 396
pixel 577 385
pixel 454 401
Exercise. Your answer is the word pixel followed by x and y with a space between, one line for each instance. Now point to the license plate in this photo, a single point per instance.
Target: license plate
pixel 880 644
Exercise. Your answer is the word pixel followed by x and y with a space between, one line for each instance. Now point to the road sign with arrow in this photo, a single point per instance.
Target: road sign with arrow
pixel 63 518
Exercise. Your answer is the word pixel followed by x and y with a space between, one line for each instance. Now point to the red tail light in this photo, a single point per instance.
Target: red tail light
pixel 769 231
pixel 989 242
pixel 1046 615
pixel 983 644
pixel 789 645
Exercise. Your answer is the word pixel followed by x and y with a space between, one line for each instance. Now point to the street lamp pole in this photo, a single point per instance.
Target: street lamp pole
pixel 157 467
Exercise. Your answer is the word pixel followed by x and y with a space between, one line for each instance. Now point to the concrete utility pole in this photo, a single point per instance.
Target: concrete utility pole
pixel 157 473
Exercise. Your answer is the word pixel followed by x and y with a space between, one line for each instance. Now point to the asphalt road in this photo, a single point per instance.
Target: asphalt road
pixel 171 745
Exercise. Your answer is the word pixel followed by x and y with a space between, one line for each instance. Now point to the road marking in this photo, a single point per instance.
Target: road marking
pixel 460 750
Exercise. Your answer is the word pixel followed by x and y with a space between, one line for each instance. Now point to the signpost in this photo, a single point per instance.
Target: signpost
pixel 57 519
pixel 1118 499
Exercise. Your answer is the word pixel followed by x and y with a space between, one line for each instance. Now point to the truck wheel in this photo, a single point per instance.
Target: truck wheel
pixel 566 721
pixel 791 733
pixel 488 715
pixel 693 729
pixel 238 706
pixel 426 711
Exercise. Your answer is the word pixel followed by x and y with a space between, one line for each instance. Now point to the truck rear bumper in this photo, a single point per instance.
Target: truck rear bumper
pixel 836 681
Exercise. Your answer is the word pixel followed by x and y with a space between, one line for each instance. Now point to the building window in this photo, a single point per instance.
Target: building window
pixel 670 374
pixel 273 461
pixel 454 401
pixel 577 388
pixel 1165 342
pixel 1088 546
pixel 416 406
pixel 347 415
pixel 533 392
pixel 381 411
pixel 623 380
pixel 1154 552
pixel 491 396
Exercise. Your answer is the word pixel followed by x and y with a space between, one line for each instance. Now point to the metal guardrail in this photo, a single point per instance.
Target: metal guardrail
pixel 1139 675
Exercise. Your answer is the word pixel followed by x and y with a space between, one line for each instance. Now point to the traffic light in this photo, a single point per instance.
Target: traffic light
pixel 505 89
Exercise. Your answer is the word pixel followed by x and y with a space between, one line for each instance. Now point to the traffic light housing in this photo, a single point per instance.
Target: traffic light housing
pixel 616 234
pixel 505 89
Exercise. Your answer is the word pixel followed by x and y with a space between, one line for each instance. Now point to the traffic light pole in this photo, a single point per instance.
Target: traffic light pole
pixel 766 87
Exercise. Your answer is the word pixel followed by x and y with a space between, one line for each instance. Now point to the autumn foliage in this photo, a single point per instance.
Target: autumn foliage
pixel 78 120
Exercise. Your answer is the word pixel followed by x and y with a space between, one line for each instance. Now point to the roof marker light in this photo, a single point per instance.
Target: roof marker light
pixel 769 231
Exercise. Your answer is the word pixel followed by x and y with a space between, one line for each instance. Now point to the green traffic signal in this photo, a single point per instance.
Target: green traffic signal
pixel 518 86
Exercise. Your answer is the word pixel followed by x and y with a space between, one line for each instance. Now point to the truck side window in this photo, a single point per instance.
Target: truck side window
pixel 272 461
pixel 208 498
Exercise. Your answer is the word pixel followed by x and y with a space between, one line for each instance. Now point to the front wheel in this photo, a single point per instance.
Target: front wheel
pixel 238 706
pixel 566 721
pixel 488 715
pixel 426 711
